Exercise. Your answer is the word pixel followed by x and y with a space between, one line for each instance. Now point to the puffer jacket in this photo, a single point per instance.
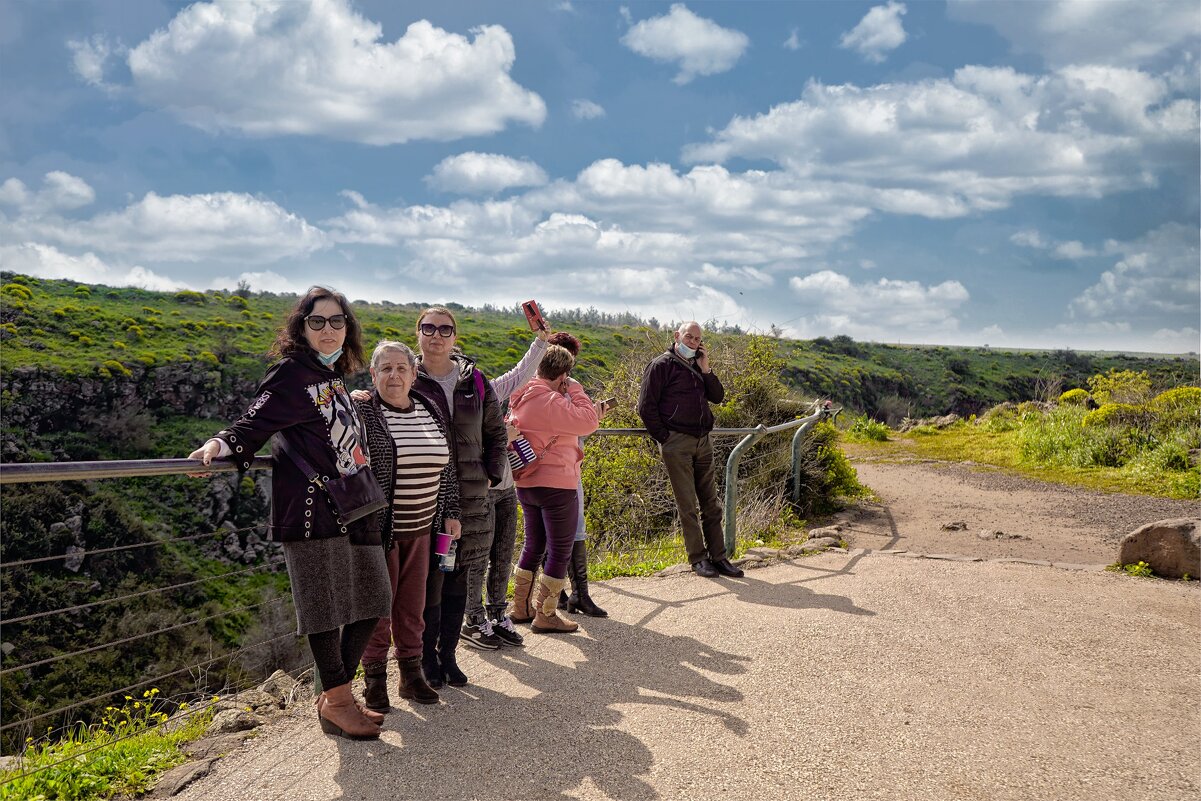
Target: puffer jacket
pixel 480 443
pixel 553 423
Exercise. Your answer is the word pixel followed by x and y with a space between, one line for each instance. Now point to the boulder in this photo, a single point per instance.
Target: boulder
pixel 1171 547
pixel 954 525
pixel 819 543
pixel 234 720
pixel 280 686
pixel 258 700
pixel 175 780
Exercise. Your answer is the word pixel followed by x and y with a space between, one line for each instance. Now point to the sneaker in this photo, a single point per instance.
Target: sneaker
pixel 480 636
pixel 506 632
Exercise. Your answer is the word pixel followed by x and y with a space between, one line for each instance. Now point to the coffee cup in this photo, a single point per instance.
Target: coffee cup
pixel 442 542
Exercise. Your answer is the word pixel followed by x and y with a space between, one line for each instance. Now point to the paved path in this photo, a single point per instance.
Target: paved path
pixel 832 677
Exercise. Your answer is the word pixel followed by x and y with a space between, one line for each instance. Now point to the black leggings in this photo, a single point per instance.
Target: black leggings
pixel 337 651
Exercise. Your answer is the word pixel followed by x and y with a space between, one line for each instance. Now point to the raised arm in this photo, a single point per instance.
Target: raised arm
pixel 505 385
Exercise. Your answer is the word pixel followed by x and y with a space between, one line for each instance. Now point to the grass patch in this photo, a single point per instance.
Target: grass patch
pixel 122 754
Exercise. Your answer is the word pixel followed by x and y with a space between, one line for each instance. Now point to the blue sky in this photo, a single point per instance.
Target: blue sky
pixel 967 172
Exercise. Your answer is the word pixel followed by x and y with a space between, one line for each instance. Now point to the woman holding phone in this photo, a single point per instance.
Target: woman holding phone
pixel 339 579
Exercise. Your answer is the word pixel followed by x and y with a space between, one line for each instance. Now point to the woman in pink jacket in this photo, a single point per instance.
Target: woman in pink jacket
pixel 553 412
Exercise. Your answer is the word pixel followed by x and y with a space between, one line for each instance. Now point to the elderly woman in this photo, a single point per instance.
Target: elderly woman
pixel 466 397
pixel 553 412
pixel 339 578
pixel 414 464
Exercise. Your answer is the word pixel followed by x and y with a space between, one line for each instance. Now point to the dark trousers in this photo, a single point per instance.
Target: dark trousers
pixel 551 515
pixel 408 568
pixel 500 558
pixel 337 652
pixel 689 462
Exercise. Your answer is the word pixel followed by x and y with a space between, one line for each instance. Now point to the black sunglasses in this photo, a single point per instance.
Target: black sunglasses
pixel 317 322
pixel 429 329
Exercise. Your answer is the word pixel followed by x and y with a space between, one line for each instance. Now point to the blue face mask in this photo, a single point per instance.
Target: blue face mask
pixel 684 350
pixel 330 359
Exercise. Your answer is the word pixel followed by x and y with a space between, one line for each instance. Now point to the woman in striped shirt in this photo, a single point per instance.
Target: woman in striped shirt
pixel 415 466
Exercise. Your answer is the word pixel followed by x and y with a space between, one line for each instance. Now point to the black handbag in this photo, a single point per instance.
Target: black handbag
pixel 354 496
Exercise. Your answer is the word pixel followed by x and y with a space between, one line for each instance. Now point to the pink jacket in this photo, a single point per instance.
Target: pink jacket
pixel 553 423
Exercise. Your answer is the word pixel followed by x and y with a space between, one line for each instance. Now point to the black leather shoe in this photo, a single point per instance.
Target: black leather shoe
pixel 724 567
pixel 704 568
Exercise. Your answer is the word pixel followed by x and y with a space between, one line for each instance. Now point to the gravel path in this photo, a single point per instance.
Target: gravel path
pixel 1048 521
pixel 841 676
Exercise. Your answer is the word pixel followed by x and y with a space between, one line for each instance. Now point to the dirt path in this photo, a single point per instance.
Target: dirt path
pixel 1046 521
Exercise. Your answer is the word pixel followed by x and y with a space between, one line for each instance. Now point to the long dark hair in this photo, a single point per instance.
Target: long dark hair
pixel 290 339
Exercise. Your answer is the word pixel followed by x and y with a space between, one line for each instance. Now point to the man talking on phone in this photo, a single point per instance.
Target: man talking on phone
pixel 677 388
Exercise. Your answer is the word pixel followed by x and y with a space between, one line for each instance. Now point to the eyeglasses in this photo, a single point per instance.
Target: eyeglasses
pixel 317 322
pixel 429 329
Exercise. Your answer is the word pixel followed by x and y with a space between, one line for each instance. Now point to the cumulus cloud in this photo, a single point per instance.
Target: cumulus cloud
pixel 45 261
pixel 266 281
pixel 317 67
pixel 792 42
pixel 484 173
pixel 90 57
pixel 223 226
pixel 1154 281
pixel 700 46
pixel 876 310
pixel 1069 250
pixel 878 33
pixel 60 192
pixel 586 110
pixel 948 147
pixel 743 276
pixel 1118 32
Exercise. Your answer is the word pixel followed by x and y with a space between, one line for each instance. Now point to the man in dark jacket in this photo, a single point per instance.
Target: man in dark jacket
pixel 677 388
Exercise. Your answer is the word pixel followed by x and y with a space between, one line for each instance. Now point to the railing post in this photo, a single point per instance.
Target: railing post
pixel 797 439
pixel 731 513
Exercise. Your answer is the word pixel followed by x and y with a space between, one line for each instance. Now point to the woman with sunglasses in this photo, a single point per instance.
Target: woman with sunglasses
pixel 469 403
pixel 339 577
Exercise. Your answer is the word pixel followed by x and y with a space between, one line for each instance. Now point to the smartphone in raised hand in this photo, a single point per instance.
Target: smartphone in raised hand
pixel 533 315
pixel 609 402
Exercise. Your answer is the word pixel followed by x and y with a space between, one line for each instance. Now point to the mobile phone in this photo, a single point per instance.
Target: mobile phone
pixel 533 315
pixel 609 401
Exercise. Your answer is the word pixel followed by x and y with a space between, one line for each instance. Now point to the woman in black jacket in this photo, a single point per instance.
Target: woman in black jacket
pixel 339 578
pixel 468 401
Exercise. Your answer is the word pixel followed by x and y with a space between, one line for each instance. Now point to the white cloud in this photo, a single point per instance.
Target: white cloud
pixel 90 58
pixel 60 192
pixel 878 33
pixel 1182 340
pixel 836 304
pixel 1069 250
pixel 268 68
pixel 1029 239
pixel 484 173
pixel 45 261
pixel 948 147
pixel 266 281
pixel 1072 250
pixel 700 46
pixel 1122 32
pixel 586 110
pixel 792 42
pixel 1155 281
pixel 748 277
pixel 222 226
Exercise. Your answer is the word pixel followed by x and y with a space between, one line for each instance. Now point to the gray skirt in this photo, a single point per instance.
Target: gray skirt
pixel 335 583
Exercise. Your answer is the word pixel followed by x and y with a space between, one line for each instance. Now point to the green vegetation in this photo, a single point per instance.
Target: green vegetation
pixel 1140 569
pixel 121 754
pixel 865 429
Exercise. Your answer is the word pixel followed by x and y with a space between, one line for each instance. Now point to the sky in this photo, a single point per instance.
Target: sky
pixel 1021 174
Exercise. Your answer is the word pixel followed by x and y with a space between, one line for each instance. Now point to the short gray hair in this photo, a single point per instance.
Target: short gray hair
pixel 386 345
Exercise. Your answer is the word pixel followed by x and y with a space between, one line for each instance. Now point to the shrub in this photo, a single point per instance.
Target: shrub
pixel 1117 414
pixel 189 296
pixel 1179 406
pixel 135 332
pixel 83 291
pixel 237 301
pixel 1120 386
pixel 866 429
pixel 209 357
pixel 18 291
pixel 115 367
pixel 1074 397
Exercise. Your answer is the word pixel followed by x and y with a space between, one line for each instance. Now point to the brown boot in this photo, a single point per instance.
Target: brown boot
pixel 340 715
pixel 413 685
pixel 375 717
pixel 375 687
pixel 546 618
pixel 522 611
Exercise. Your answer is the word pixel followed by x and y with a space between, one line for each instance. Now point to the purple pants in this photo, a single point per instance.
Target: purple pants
pixel 551 515
pixel 408 564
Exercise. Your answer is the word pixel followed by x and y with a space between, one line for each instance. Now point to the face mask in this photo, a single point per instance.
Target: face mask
pixel 331 358
pixel 684 350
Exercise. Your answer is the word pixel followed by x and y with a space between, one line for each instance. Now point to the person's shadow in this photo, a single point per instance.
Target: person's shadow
pixel 558 729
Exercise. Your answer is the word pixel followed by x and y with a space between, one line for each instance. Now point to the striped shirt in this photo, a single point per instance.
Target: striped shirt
pixel 421 455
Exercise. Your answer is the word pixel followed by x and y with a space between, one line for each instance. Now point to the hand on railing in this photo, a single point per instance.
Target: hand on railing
pixel 206 453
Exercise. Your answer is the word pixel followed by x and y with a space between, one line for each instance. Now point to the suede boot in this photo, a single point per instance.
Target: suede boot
pixel 522 611
pixel 580 601
pixel 340 715
pixel 375 690
pixel 546 618
pixel 429 646
pixel 453 607
pixel 413 685
pixel 375 717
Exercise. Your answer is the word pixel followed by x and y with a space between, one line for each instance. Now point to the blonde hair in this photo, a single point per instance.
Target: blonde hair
pixel 556 362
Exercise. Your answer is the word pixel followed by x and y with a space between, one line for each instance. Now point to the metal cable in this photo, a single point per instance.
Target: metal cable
pixel 150 543
pixel 136 637
pixel 36 615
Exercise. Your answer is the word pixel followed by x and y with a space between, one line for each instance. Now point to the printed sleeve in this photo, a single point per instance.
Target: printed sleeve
pixel 273 409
